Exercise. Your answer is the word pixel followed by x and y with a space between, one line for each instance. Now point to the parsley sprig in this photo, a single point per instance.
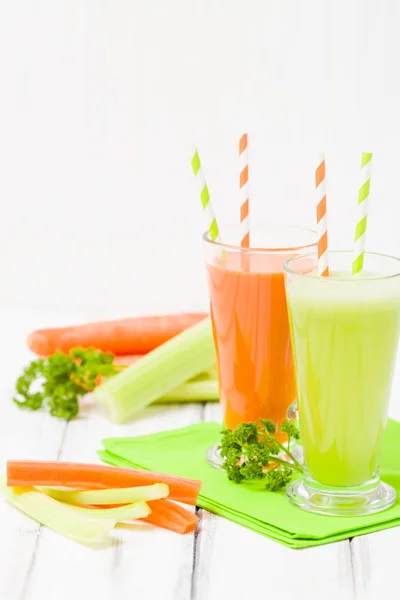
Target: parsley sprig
pixel 250 452
pixel 60 380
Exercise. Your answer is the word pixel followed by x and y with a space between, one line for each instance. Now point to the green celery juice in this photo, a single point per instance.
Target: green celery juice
pixel 345 337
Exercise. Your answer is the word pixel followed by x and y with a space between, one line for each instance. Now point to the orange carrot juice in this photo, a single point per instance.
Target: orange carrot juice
pixel 251 334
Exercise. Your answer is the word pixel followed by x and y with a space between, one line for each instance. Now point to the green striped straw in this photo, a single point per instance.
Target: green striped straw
pixel 363 196
pixel 212 225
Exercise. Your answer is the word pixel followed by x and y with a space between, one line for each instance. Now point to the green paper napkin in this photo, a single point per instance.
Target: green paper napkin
pixel 183 452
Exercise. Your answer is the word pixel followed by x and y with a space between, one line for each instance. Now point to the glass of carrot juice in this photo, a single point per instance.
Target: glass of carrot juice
pixel 250 323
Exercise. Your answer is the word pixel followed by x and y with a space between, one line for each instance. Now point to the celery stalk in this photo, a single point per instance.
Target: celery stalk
pixel 143 493
pixel 206 376
pixel 192 391
pixel 184 356
pixel 69 521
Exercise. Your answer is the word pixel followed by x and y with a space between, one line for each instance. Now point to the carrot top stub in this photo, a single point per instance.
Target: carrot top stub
pixel 95 477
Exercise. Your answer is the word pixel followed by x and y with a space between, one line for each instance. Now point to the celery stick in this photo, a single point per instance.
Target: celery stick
pixel 69 521
pixel 181 358
pixel 157 491
pixel 192 391
pixel 206 376
pixel 212 373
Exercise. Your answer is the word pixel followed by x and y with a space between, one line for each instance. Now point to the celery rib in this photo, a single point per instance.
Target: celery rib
pixel 165 368
pixel 206 376
pixel 143 493
pixel 68 521
pixel 192 391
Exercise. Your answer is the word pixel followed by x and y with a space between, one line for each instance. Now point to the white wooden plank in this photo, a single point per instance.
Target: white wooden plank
pixel 376 563
pixel 375 556
pixel 234 562
pixel 142 562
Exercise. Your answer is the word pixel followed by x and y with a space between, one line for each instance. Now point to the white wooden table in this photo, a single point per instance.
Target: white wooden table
pixel 220 561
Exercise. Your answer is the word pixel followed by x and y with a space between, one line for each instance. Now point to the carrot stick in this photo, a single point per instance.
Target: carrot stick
pixel 137 335
pixel 168 515
pixel 165 514
pixel 95 477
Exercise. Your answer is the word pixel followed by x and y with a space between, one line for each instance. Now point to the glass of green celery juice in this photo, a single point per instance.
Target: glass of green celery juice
pixel 344 331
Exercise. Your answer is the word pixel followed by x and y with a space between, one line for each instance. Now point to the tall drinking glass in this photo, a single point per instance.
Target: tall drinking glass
pixel 345 330
pixel 250 323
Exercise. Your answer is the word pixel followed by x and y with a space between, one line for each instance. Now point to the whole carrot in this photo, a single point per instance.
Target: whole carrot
pixel 137 335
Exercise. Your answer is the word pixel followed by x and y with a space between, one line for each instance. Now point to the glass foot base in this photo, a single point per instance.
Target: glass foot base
pixel 214 457
pixel 335 502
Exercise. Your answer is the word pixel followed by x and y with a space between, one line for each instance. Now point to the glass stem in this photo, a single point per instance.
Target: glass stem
pixel 285 463
pixel 295 461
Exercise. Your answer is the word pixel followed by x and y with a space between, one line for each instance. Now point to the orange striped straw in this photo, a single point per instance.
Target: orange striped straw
pixel 322 221
pixel 244 192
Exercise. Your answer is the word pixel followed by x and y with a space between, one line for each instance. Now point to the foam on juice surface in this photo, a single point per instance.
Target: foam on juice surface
pixel 342 286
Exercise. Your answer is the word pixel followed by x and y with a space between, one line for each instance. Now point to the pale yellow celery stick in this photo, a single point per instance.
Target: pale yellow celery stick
pixel 203 388
pixel 193 391
pixel 69 521
pixel 206 376
pixel 143 493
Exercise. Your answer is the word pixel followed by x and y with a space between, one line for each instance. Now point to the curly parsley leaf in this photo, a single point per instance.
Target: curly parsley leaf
pixel 251 452
pixel 60 380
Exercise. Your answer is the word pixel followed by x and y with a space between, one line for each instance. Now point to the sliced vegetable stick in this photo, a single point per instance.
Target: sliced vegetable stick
pixel 171 364
pixel 79 525
pixel 126 512
pixel 201 388
pixel 137 335
pixel 116 496
pixel 130 359
pixel 192 391
pixel 168 515
pixel 210 375
pixel 96 477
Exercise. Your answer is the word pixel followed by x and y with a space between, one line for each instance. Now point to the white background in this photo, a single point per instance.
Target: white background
pixel 100 101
